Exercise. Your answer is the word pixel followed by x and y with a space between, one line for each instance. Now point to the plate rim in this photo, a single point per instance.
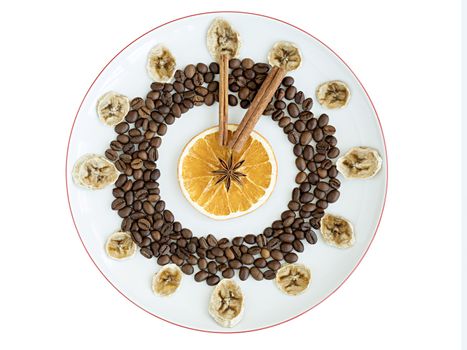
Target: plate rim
pixel 273 19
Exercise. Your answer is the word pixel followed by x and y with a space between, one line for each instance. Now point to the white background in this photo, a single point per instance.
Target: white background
pixel 406 292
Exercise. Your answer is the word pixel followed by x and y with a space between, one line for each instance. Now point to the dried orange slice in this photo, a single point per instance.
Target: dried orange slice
pixel 223 184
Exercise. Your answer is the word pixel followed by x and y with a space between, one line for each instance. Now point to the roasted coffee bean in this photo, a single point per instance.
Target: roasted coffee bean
pixel 217 251
pixel 244 273
pixel 334 183
pixel 237 241
pixel 290 92
pixel 333 196
pixel 299 97
pixel 294 205
pixel 300 163
pixel 214 67
pixel 333 152
pixel 124 212
pixel 234 63
pixel 245 104
pixel 202 263
pixel 297 150
pixel 247 259
pixel 289 221
pixel 292 136
pixel 301 177
pixel 247 63
pixel 276 254
pixel 176 260
pixel 306 197
pixel 256 273
pixel 291 258
pixel 298 246
pixel 322 173
pixel 307 104
pixel 286 247
pixel 201 276
pixel 213 280
pixel 250 239
pixel 300 126
pixel 269 275
pixel 280 104
pixel 146 252
pixel 233 101
pixel 329 130
pixel 274 265
pixel 211 240
pixel 305 187
pixel 273 243
pixel 168 216
pixel 310 237
pixel 295 194
pixel 235 264
pixel 189 71
pixel 293 110
pixel 318 134
pixel 265 253
pixel 118 204
pixel 305 138
pixel 323 120
pixel 299 234
pixel 212 267
pixel 255 250
pixel 260 262
pixel 309 207
pixel 288 81
pixel 268 232
pixel 288 238
pixel 228 273
pixel 187 269
pixel 163 260
pixel 261 240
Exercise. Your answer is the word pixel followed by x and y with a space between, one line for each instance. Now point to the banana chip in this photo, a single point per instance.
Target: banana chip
pixel 167 280
pixel 293 279
pixel 286 55
pixel 227 303
pixel 333 94
pixel 222 39
pixel 94 172
pixel 337 231
pixel 161 64
pixel 120 246
pixel 112 107
pixel 359 163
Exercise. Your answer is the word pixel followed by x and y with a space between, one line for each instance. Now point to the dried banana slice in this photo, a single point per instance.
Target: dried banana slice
pixel 161 64
pixel 222 39
pixel 167 280
pixel 112 107
pixel 227 303
pixel 286 55
pixel 333 94
pixel 94 172
pixel 120 246
pixel 359 163
pixel 293 279
pixel 337 231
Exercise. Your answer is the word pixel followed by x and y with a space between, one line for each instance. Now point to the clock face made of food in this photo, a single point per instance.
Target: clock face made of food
pixel 228 171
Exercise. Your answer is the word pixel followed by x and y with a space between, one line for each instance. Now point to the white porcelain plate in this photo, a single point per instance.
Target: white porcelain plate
pixel 361 201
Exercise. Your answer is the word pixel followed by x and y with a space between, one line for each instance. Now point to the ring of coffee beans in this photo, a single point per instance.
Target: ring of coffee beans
pixel 153 227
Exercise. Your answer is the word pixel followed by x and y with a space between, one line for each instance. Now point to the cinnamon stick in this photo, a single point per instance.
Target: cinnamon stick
pixel 259 104
pixel 223 99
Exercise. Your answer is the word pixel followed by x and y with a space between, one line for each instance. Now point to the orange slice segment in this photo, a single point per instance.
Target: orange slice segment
pixel 223 184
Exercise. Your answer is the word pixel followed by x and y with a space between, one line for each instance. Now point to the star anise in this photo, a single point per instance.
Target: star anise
pixel 228 172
